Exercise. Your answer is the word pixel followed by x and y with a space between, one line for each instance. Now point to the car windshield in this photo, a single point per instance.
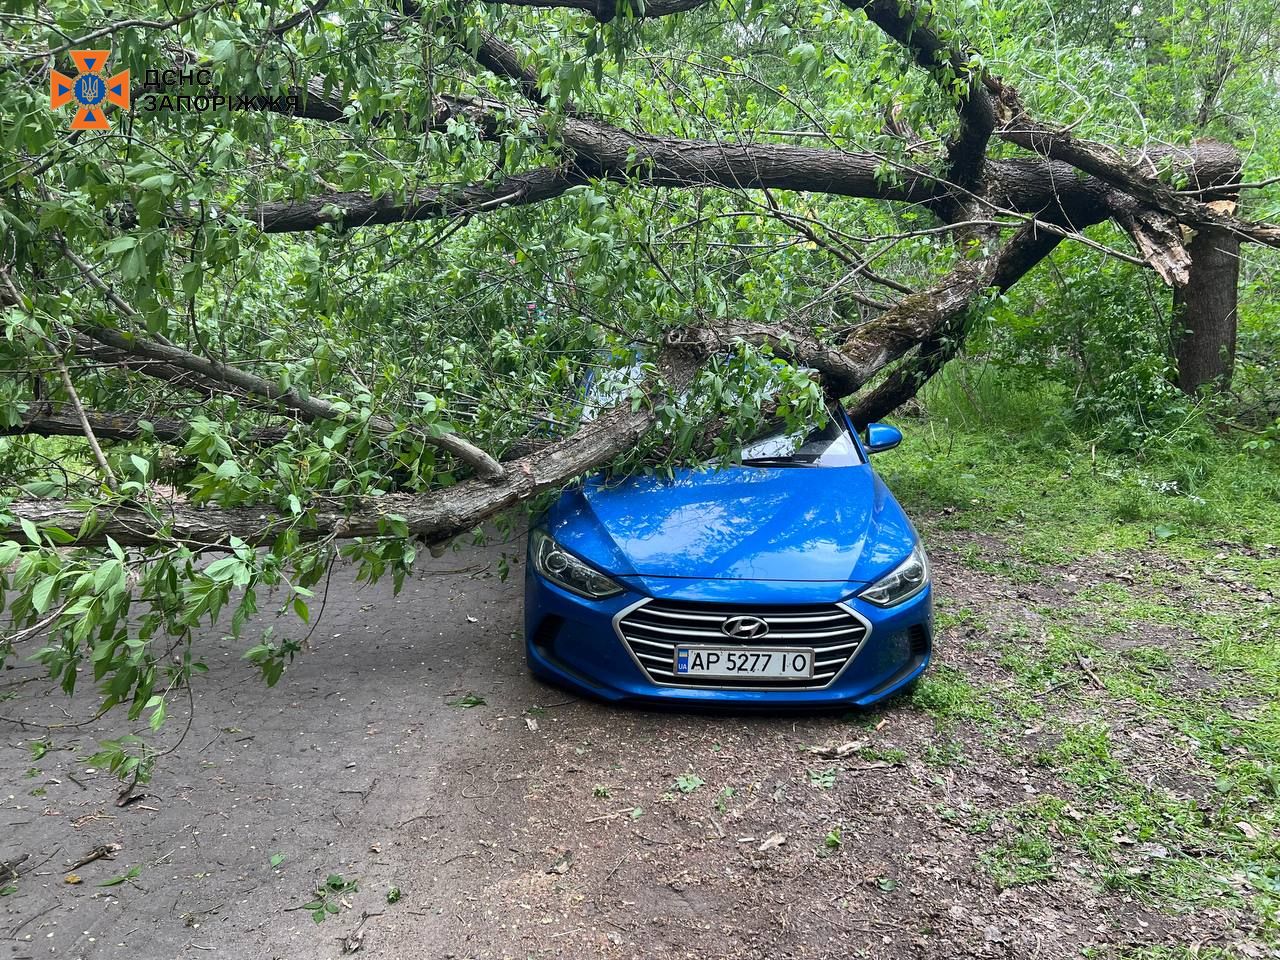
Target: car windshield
pixel 828 446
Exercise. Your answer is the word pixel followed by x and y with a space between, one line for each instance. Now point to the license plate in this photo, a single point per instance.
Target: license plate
pixel 789 664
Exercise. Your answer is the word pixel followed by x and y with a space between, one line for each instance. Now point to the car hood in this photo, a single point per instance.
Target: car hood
pixel 831 524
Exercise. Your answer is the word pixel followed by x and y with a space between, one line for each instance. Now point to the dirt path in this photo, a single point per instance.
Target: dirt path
pixel 533 824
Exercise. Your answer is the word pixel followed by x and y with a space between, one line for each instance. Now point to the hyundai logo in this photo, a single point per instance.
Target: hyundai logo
pixel 744 628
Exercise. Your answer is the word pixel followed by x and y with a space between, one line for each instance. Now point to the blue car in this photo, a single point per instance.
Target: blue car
pixel 792 579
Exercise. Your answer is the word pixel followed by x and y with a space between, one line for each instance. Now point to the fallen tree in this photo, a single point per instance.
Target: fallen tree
pixel 217 306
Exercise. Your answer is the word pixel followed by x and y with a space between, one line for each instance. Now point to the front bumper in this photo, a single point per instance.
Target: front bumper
pixel 573 642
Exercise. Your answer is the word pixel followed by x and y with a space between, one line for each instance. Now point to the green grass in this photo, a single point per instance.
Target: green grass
pixel 1008 462
pixel 1188 812
pixel 1026 858
pixel 948 697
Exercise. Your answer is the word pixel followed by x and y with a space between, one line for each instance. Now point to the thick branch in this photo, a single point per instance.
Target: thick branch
pixel 434 517
pixel 905 381
pixel 935 319
pixel 1210 170
pixel 307 407
pixel 351 210
pixel 839 374
pixel 502 59
pixel 1049 189
pixel 165 372
pixel 904 23
pixel 606 10
pixel 43 420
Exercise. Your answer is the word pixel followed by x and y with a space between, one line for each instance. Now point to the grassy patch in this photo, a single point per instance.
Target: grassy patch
pixel 1007 462
pixel 1170 789
pixel 948 697
pixel 1025 858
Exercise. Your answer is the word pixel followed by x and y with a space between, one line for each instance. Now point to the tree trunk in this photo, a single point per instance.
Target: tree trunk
pixel 1204 312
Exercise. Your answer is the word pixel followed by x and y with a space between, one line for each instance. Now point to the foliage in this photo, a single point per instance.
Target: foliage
pixel 329 897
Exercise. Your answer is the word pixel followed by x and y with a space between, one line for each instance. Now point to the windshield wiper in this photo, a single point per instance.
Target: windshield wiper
pixel 789 461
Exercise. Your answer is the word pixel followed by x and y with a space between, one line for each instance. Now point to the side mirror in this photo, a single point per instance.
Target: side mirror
pixel 882 436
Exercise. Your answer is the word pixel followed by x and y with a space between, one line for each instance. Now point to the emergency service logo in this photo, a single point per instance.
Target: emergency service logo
pixel 90 89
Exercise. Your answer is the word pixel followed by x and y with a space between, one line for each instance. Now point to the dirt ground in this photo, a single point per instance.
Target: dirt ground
pixel 534 824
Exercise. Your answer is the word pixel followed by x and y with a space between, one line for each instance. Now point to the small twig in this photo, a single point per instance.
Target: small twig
pixel 1050 689
pixel 658 843
pixel 363 794
pixel 1084 665
pixel 616 866
pixel 84 425
pixel 13 934
pixel 106 851
pixel 355 939
pixel 421 816
pixel 609 816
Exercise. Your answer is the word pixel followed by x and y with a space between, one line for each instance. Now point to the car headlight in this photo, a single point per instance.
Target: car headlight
pixel 902 582
pixel 565 570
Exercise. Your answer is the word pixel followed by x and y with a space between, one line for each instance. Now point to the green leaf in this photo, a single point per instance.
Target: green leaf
pixel 688 782
pixel 41 595
pixel 9 551
pixel 30 530
pixel 123 878
pixel 276 860
pixel 156 720
pixel 224 569
pixel 222 51
pixel 120 245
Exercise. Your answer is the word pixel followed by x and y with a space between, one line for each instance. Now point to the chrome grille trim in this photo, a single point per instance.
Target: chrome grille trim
pixel 799 635
pixel 650 630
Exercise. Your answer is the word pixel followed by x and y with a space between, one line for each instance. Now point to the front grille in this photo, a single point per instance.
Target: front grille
pixel 653 628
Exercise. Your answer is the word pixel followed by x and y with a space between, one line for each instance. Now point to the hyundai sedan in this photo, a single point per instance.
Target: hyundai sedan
pixel 789 579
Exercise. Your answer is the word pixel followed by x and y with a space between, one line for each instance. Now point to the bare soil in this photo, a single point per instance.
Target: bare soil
pixel 540 825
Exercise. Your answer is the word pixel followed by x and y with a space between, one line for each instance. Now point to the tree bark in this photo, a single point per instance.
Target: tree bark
pixel 43 420
pixel 906 379
pixel 434 517
pixel 1204 312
